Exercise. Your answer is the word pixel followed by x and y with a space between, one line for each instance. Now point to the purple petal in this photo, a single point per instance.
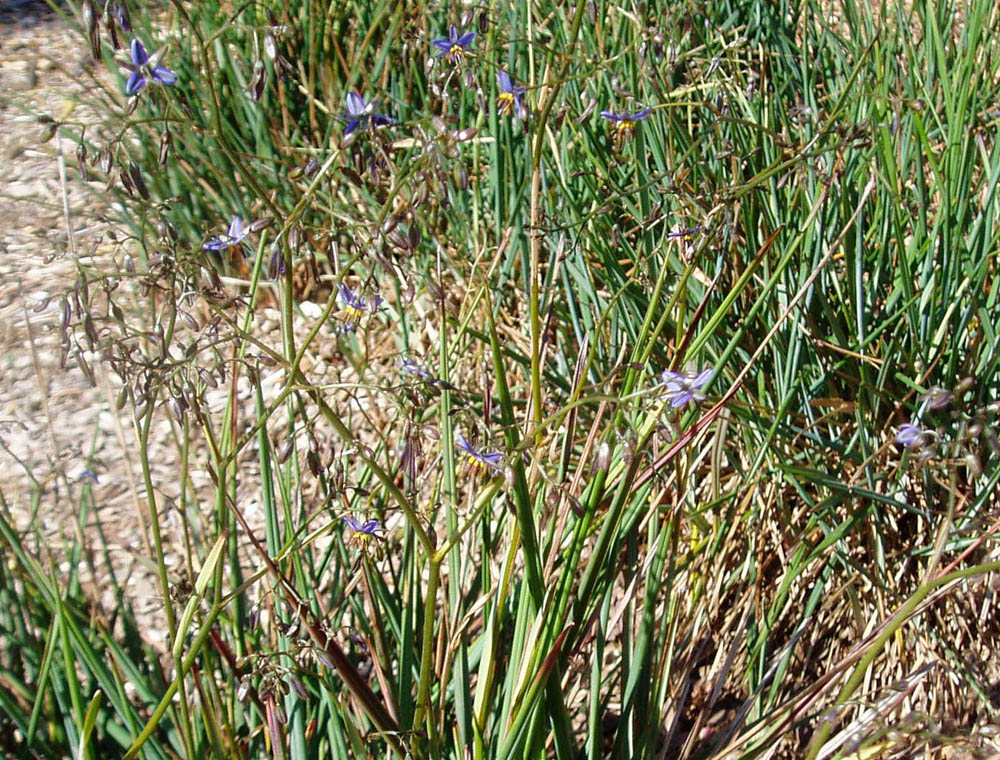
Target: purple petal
pixel 504 80
pixel 139 57
pixel 122 17
pixel 215 244
pixel 351 126
pixel 681 399
pixel 443 45
pixel 452 34
pixel 370 527
pixel 355 104
pixel 465 446
pixel 611 115
pixel 352 523
pixel 466 39
pixel 381 119
pixel 670 377
pixel 493 458
pixel 236 229
pixel 136 81
pixel 163 75
pixel 345 292
pixel 909 434
pixel 703 378
pixel 641 115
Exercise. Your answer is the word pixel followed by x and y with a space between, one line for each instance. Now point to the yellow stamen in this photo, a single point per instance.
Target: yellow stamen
pixel 505 102
pixel 456 55
pixel 623 130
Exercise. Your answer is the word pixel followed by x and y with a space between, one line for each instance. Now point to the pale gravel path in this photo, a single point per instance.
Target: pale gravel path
pixel 52 422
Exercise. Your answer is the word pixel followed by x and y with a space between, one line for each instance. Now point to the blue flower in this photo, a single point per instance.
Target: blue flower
pixel 689 232
pixel 362 532
pixel 910 435
pixel 623 125
pixel 355 307
pixel 480 460
pixel 232 240
pixel 684 387
pixel 510 95
pixel 121 16
pixel 361 114
pixel 453 47
pixel 144 69
pixel 410 366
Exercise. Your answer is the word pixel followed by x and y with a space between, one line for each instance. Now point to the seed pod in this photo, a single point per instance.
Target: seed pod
pixel 413 235
pixel 176 409
pixel 121 15
pixel 136 174
pixel 324 658
pixel 285 450
pixel 89 331
pixel 353 176
pixel 126 181
pixel 270 46
pixel 974 464
pixel 390 224
pixel 165 142
pixel 312 460
pixel 243 692
pixel 122 397
pixel 85 368
pixel 89 16
pixel 189 320
pixel 259 224
pixel 276 266
pixel 603 459
pixel 298 688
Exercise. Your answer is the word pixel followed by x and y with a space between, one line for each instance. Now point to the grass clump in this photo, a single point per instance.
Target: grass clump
pixel 616 382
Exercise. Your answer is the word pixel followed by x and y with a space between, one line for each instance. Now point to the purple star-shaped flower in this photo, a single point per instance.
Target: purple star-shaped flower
pixel 362 532
pixel 480 460
pixel 623 125
pixel 144 68
pixel 232 239
pixel 684 387
pixel 361 114
pixel 509 99
pixel 453 47
pixel 368 528
pixel 909 435
pixel 412 367
pixel 355 307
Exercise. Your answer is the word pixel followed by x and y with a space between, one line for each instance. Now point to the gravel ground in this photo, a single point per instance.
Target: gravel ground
pixel 54 426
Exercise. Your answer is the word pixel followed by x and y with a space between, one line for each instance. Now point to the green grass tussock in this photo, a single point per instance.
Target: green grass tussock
pixel 563 430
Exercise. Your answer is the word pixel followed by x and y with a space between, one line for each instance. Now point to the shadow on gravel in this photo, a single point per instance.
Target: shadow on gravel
pixel 24 13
